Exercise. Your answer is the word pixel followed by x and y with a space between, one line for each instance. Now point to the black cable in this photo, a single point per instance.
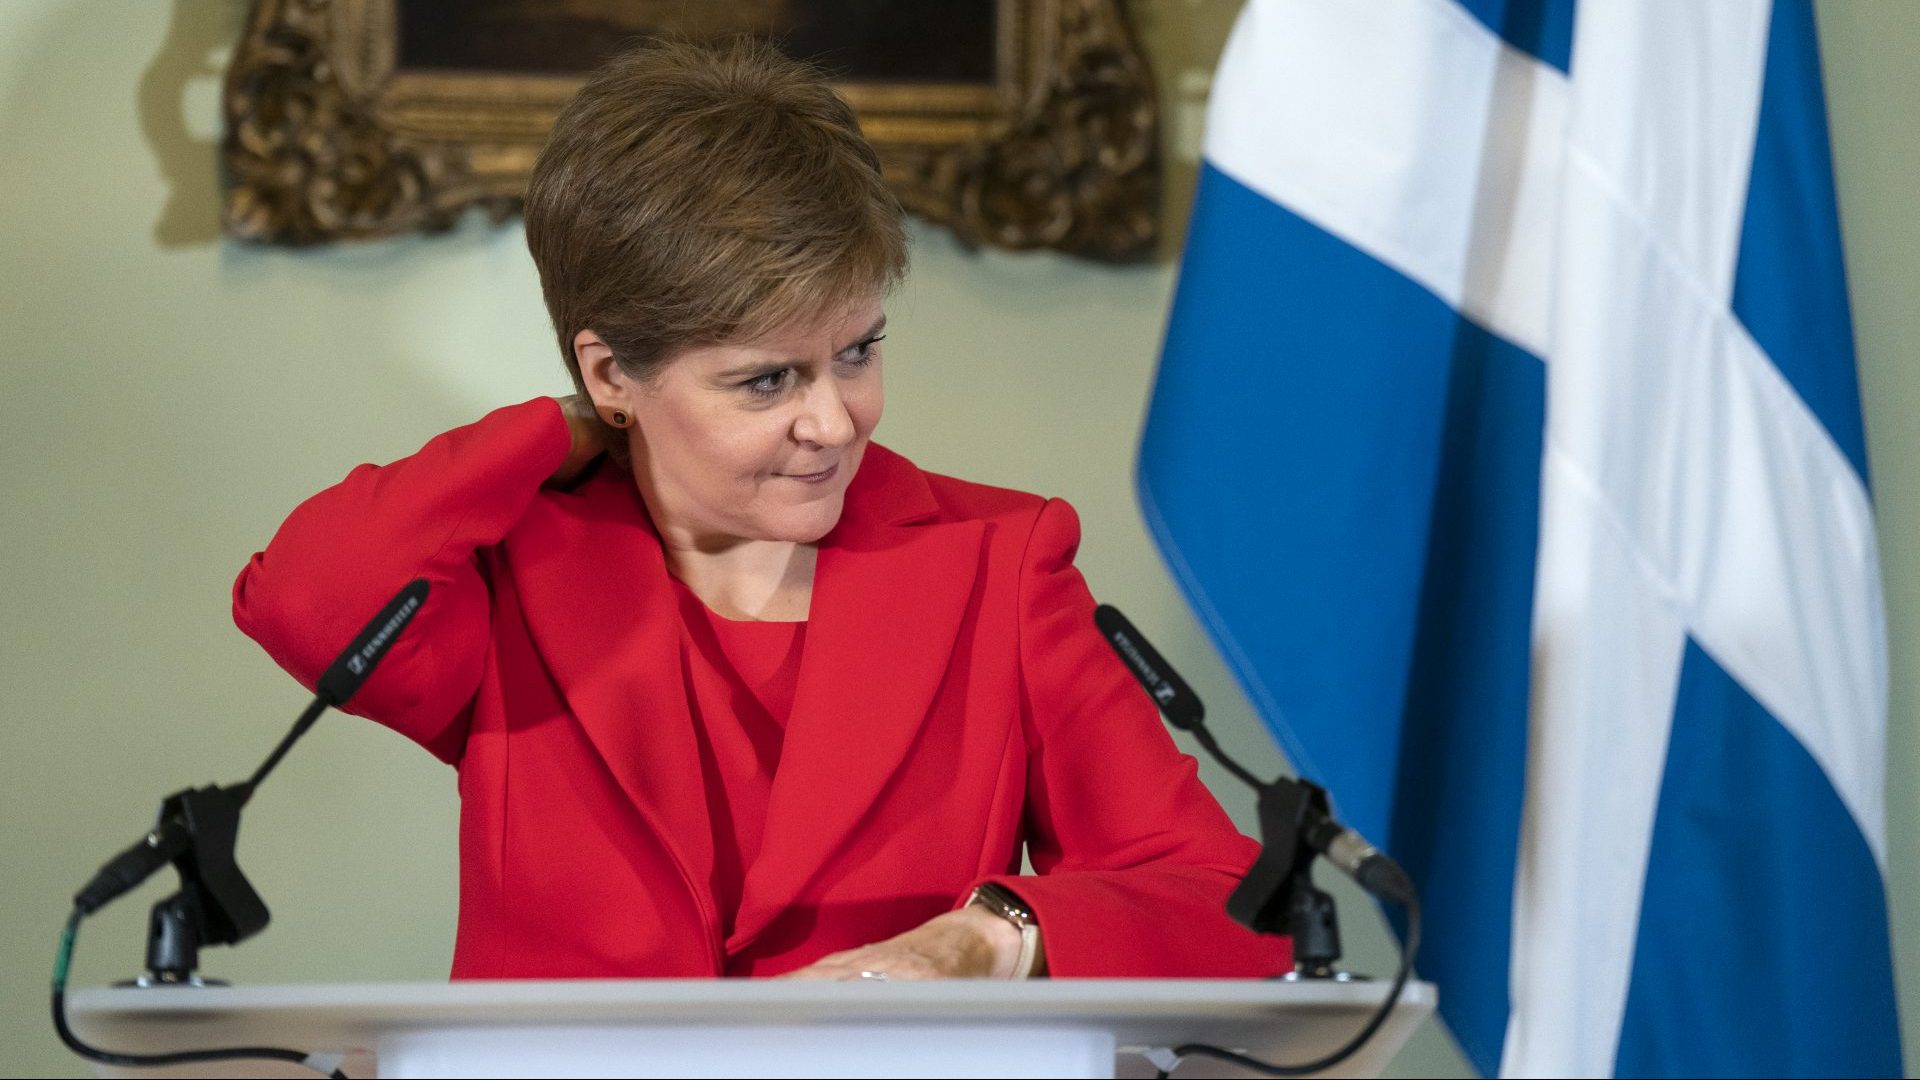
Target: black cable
pixel 1267 1068
pixel 179 1057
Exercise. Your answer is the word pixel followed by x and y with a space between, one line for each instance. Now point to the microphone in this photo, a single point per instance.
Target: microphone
pixel 353 666
pixel 1177 701
pixel 344 677
pixel 197 833
pixel 1347 850
pixel 211 814
pixel 1277 894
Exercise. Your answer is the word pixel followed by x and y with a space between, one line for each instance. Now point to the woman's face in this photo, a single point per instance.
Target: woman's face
pixel 758 441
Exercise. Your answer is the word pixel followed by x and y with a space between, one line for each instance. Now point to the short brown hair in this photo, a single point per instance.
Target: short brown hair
pixel 701 194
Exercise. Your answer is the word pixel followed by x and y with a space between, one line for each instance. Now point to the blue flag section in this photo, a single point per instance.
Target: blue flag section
pixel 1317 428
pixel 1506 440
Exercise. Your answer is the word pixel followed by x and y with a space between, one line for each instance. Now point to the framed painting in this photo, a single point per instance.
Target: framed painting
pixel 1017 123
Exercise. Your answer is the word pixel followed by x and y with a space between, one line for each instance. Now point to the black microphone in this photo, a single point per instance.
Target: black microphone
pixel 353 666
pixel 174 836
pixel 344 677
pixel 1177 701
pixel 1347 850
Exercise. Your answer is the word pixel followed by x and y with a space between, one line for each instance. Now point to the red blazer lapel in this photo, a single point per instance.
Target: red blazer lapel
pixel 890 592
pixel 599 608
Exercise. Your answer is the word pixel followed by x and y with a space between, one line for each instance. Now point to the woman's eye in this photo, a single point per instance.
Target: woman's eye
pixel 773 383
pixel 862 354
pixel 769 384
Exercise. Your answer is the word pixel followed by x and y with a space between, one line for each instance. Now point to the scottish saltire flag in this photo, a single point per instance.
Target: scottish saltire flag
pixel 1507 441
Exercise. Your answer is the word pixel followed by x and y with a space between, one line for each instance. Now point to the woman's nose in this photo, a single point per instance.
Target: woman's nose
pixel 823 418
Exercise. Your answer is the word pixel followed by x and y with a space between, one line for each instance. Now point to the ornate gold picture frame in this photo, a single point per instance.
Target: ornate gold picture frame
pixel 1044 136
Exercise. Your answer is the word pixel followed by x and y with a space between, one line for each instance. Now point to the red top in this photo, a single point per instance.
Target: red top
pixel 741 677
pixel 955 706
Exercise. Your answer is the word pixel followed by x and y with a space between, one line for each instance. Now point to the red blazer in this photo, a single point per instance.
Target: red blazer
pixel 954 703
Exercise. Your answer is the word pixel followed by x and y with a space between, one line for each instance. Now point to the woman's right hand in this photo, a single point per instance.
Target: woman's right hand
pixel 589 438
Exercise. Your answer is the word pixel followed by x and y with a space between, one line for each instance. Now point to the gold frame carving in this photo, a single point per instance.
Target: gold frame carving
pixel 326 139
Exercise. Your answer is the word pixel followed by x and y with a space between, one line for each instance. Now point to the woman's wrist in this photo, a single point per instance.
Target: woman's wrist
pixel 993 897
pixel 999 940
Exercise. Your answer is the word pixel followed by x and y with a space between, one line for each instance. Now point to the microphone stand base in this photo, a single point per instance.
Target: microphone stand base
pixel 1323 976
pixel 149 982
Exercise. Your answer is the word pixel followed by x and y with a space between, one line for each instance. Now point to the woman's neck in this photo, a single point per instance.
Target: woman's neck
pixel 768 580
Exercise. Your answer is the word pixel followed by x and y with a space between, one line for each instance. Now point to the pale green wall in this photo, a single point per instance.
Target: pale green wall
pixel 165 399
pixel 1873 95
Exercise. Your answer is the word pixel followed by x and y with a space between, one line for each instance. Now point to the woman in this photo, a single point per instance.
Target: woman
pixel 747 694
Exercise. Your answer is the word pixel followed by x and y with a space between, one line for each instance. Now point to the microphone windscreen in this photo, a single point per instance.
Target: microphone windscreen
pixel 353 666
pixel 1177 701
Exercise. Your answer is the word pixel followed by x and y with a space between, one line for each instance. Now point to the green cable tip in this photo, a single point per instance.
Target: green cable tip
pixel 66 954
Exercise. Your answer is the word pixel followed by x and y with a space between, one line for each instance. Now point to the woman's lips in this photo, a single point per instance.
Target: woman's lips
pixel 820 477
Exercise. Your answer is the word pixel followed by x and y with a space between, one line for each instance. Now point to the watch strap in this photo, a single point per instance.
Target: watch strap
pixel 1002 902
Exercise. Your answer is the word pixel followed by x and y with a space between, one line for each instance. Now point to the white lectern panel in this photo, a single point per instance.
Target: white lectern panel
pixel 674 1027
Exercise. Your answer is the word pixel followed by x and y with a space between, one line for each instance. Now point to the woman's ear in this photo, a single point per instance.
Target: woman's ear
pixel 608 384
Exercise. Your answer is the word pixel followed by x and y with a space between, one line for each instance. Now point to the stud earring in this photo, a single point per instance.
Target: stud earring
pixel 619 419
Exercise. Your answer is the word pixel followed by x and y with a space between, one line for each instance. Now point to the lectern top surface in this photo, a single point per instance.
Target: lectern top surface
pixel 1294 1018
pixel 1140 1005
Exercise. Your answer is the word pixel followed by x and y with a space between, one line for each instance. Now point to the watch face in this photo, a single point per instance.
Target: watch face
pixel 1003 903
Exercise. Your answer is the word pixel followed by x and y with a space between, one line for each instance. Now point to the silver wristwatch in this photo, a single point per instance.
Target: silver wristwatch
pixel 1003 903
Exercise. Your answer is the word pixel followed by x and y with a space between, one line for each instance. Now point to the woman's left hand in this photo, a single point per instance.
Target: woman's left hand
pixel 971 943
